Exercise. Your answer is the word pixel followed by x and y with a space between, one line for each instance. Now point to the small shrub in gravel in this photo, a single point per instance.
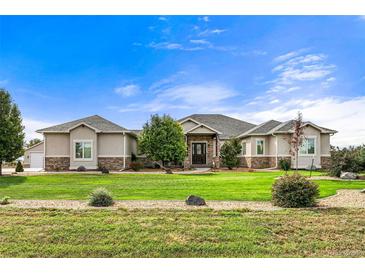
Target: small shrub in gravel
pixel 101 197
pixel 19 167
pixel 104 170
pixel 294 191
pixel 5 200
pixel 81 169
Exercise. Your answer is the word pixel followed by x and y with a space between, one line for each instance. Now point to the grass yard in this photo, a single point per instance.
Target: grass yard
pixel 241 186
pixel 195 233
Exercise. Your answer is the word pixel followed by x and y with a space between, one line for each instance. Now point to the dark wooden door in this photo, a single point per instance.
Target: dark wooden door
pixel 199 153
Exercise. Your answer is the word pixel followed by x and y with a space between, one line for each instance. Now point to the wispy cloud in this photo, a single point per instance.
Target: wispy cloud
pixel 204 18
pixel 208 32
pixel 3 82
pixel 172 46
pixel 293 71
pixel 31 125
pixel 127 90
pixel 162 18
pixel 342 114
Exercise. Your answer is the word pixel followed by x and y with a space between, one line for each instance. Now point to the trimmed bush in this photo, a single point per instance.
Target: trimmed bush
pixel 104 170
pixel 101 197
pixel 19 167
pixel 294 191
pixel 81 169
pixel 284 164
pixel 136 166
pixel 5 200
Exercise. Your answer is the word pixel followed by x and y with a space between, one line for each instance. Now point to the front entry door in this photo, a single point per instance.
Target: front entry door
pixel 199 153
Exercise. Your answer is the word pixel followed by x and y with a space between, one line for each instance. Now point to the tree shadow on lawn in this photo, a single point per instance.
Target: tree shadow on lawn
pixel 199 174
pixel 6 181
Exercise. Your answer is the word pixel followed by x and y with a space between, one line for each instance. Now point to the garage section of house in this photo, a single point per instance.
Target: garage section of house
pixel 34 156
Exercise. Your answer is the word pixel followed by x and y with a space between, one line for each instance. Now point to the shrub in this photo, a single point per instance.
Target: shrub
pixel 104 170
pixel 5 200
pixel 351 159
pixel 101 197
pixel 133 157
pixel 81 169
pixel 19 167
pixel 284 164
pixel 229 153
pixel 136 166
pixel 294 191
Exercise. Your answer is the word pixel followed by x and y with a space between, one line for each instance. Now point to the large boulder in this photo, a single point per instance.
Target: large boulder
pixel 348 175
pixel 195 201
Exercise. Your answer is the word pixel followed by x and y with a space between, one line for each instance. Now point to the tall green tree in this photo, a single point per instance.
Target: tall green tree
pixel 11 129
pixel 162 140
pixel 229 153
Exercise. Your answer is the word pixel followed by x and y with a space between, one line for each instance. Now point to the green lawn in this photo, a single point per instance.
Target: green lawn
pixel 196 233
pixel 215 186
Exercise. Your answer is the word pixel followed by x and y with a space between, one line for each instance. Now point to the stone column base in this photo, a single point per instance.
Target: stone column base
pixel 57 163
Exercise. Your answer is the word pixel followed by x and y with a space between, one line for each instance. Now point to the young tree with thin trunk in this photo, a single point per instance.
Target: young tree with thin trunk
pixel 296 139
pixel 11 129
pixel 162 140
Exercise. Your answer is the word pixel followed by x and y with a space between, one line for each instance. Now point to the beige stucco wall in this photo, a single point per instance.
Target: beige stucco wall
pixel 38 148
pixel 57 144
pixel 83 133
pixel 271 150
pixel 187 125
pixel 283 144
pixel 110 145
pixel 325 144
pixel 248 145
pixel 131 145
pixel 306 160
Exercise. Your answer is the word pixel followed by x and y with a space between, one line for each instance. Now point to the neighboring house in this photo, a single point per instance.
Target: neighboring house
pixel 34 156
pixel 90 142
pixel 94 141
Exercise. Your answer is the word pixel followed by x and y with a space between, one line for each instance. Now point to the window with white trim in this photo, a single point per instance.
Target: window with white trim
pixel 83 150
pixel 244 148
pixel 260 147
pixel 308 146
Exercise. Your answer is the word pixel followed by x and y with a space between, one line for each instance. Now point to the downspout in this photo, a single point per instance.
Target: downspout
pixel 124 150
pixel 276 150
pixel 44 152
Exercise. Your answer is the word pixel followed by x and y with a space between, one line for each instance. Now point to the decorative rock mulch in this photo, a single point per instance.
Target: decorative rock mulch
pixel 350 198
pixel 160 204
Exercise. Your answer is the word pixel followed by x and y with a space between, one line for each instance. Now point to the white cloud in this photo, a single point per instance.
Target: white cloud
pixel 162 18
pixel 200 42
pixel 127 90
pixel 31 125
pixel 208 32
pixel 288 55
pixel 344 115
pixel 204 18
pixel 172 46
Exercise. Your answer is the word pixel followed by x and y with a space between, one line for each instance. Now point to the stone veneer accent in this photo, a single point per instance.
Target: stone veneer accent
pixel 325 162
pixel 113 163
pixel 261 162
pixel 200 138
pixel 57 163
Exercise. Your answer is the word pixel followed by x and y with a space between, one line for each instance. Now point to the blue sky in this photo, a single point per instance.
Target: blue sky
pixel 125 68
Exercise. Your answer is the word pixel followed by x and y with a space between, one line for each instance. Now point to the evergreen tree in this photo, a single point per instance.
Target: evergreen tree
pixel 11 129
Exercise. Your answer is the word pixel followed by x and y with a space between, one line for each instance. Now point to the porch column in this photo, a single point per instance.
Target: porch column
pixel 187 157
pixel 217 151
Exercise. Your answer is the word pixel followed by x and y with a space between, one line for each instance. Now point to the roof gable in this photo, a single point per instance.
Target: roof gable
pixel 99 124
pixel 226 126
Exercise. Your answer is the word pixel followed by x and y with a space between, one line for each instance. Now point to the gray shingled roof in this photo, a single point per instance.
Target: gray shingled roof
pixel 263 128
pixel 228 126
pixel 94 121
pixel 288 125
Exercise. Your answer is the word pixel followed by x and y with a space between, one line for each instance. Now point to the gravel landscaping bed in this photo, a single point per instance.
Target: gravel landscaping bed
pixel 70 204
pixel 345 198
